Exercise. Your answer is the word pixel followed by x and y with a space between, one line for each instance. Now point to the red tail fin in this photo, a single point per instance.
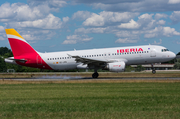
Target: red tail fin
pixel 18 44
pixel 23 53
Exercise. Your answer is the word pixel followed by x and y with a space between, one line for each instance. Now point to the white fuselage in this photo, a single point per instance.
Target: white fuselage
pixel 130 55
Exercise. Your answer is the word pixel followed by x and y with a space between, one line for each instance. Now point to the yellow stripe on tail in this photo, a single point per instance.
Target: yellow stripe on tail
pixel 13 32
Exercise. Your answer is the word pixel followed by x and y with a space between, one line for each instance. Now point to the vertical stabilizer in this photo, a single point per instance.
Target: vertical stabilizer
pixel 18 44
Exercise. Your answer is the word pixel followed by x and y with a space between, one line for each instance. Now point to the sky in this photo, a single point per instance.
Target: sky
pixel 62 25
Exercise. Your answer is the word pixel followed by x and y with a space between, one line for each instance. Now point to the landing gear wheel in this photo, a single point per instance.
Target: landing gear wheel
pixel 153 71
pixel 95 75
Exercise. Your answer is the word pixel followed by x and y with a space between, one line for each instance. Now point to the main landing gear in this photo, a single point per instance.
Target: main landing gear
pixel 153 69
pixel 95 74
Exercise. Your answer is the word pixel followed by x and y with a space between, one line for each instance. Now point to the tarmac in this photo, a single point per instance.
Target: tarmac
pixel 65 78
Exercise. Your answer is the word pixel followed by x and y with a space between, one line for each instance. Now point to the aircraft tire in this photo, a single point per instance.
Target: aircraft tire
pixel 153 71
pixel 95 75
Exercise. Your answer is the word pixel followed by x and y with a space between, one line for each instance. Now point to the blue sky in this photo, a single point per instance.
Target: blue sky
pixel 61 25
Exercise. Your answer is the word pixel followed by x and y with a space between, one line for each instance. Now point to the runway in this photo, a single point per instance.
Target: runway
pixel 71 78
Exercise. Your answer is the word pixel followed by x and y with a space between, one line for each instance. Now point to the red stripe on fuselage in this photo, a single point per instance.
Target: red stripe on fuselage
pixel 22 50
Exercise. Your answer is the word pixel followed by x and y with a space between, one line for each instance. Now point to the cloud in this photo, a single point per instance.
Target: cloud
pixel 147 25
pixel 161 31
pixel 53 4
pixel 50 22
pixel 90 30
pixel 22 12
pixel 81 15
pixel 70 42
pixel 107 18
pixel 65 19
pixel 131 25
pixel 157 43
pixel 133 5
pixel 175 17
pixel 2 38
pixel 174 1
pixel 167 31
pixel 126 40
pixel 94 20
pixel 73 39
pixel 178 42
pixel 32 34
pixel 161 22
pixel 2 35
pixel 159 16
pixel 146 21
pixel 106 1
pixel 127 34
pixel 2 29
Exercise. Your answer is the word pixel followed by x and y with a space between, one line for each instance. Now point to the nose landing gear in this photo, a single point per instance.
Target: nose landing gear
pixel 153 69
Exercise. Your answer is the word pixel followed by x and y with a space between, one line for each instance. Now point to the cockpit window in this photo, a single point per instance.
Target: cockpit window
pixel 164 50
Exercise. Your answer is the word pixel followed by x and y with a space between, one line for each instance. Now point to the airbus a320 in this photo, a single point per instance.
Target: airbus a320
pixel 112 59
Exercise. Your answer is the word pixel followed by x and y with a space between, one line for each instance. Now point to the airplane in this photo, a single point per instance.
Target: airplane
pixel 112 59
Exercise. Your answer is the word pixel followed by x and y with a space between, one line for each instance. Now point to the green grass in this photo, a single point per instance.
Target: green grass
pixel 90 100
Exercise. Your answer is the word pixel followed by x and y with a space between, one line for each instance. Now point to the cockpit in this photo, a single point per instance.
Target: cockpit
pixel 164 50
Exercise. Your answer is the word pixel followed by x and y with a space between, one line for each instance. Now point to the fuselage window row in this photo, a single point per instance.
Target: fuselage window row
pixel 98 55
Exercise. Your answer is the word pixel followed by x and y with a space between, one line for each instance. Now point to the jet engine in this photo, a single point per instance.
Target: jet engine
pixel 115 67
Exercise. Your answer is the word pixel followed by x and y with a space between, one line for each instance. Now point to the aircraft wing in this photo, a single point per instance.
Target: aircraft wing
pixel 97 62
pixel 87 60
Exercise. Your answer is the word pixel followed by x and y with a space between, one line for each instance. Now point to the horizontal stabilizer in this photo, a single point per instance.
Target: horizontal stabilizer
pixel 12 58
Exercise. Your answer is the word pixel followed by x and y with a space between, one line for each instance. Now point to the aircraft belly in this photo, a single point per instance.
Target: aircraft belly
pixel 62 66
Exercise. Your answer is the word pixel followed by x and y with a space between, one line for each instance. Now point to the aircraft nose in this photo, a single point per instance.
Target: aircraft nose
pixel 172 55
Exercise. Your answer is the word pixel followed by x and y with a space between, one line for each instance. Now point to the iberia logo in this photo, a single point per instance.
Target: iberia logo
pixel 129 50
pixel 116 65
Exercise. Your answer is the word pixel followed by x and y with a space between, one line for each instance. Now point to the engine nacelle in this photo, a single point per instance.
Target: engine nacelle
pixel 116 67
